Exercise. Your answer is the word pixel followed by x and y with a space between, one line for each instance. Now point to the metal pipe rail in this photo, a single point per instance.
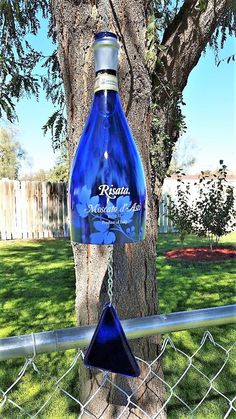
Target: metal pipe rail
pixel 79 337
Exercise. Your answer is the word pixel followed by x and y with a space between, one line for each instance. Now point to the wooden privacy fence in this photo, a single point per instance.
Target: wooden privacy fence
pixel 30 209
pixel 36 210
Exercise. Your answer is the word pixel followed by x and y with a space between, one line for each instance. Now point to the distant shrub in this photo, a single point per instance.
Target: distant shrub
pixel 179 210
pixel 210 213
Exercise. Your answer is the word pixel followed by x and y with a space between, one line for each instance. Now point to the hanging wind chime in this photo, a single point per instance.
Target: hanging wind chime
pixel 107 196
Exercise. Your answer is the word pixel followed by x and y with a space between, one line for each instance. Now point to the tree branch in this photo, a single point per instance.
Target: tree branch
pixel 187 37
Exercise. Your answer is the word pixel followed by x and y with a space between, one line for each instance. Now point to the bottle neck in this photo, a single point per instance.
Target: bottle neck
pixel 106 80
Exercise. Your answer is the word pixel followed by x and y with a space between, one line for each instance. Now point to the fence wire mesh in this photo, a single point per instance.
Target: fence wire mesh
pixel 183 374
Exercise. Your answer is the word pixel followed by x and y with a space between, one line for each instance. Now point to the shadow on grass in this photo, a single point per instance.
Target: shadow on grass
pixel 37 292
pixel 37 286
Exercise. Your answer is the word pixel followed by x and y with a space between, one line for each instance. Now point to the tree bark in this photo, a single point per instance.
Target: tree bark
pixel 135 291
pixel 187 36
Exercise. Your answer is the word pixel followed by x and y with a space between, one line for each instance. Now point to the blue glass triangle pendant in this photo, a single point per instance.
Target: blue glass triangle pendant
pixel 109 349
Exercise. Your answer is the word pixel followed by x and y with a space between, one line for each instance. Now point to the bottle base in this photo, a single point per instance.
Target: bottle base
pixel 107 242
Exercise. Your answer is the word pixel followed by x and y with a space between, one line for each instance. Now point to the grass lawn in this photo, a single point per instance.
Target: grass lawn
pixel 37 292
pixel 188 286
pixel 37 286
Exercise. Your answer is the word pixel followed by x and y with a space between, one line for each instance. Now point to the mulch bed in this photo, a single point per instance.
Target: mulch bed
pixel 202 254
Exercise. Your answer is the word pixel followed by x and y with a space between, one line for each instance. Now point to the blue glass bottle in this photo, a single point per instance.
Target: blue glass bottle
pixel 109 349
pixel 107 192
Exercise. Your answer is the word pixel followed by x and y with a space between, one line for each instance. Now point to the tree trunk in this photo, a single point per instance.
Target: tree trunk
pixel 135 291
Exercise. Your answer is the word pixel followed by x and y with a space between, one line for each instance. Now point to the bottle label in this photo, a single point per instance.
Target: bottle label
pixel 105 81
pixel 112 216
pixel 112 192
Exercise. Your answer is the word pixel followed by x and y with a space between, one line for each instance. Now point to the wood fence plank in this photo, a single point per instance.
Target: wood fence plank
pixel 2 209
pixel 65 211
pixel 17 196
pixel 40 210
pixel 7 204
pixel 60 209
pixel 23 204
pixel 50 209
pixel 45 209
pixel 55 207
pixel 10 211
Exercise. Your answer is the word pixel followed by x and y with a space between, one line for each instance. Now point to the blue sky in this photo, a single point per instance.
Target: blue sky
pixel 210 105
pixel 210 110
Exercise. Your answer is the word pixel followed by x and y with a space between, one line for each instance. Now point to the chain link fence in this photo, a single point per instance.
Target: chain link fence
pixel 189 381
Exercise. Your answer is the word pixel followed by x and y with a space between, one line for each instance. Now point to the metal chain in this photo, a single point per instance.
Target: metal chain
pixel 110 276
